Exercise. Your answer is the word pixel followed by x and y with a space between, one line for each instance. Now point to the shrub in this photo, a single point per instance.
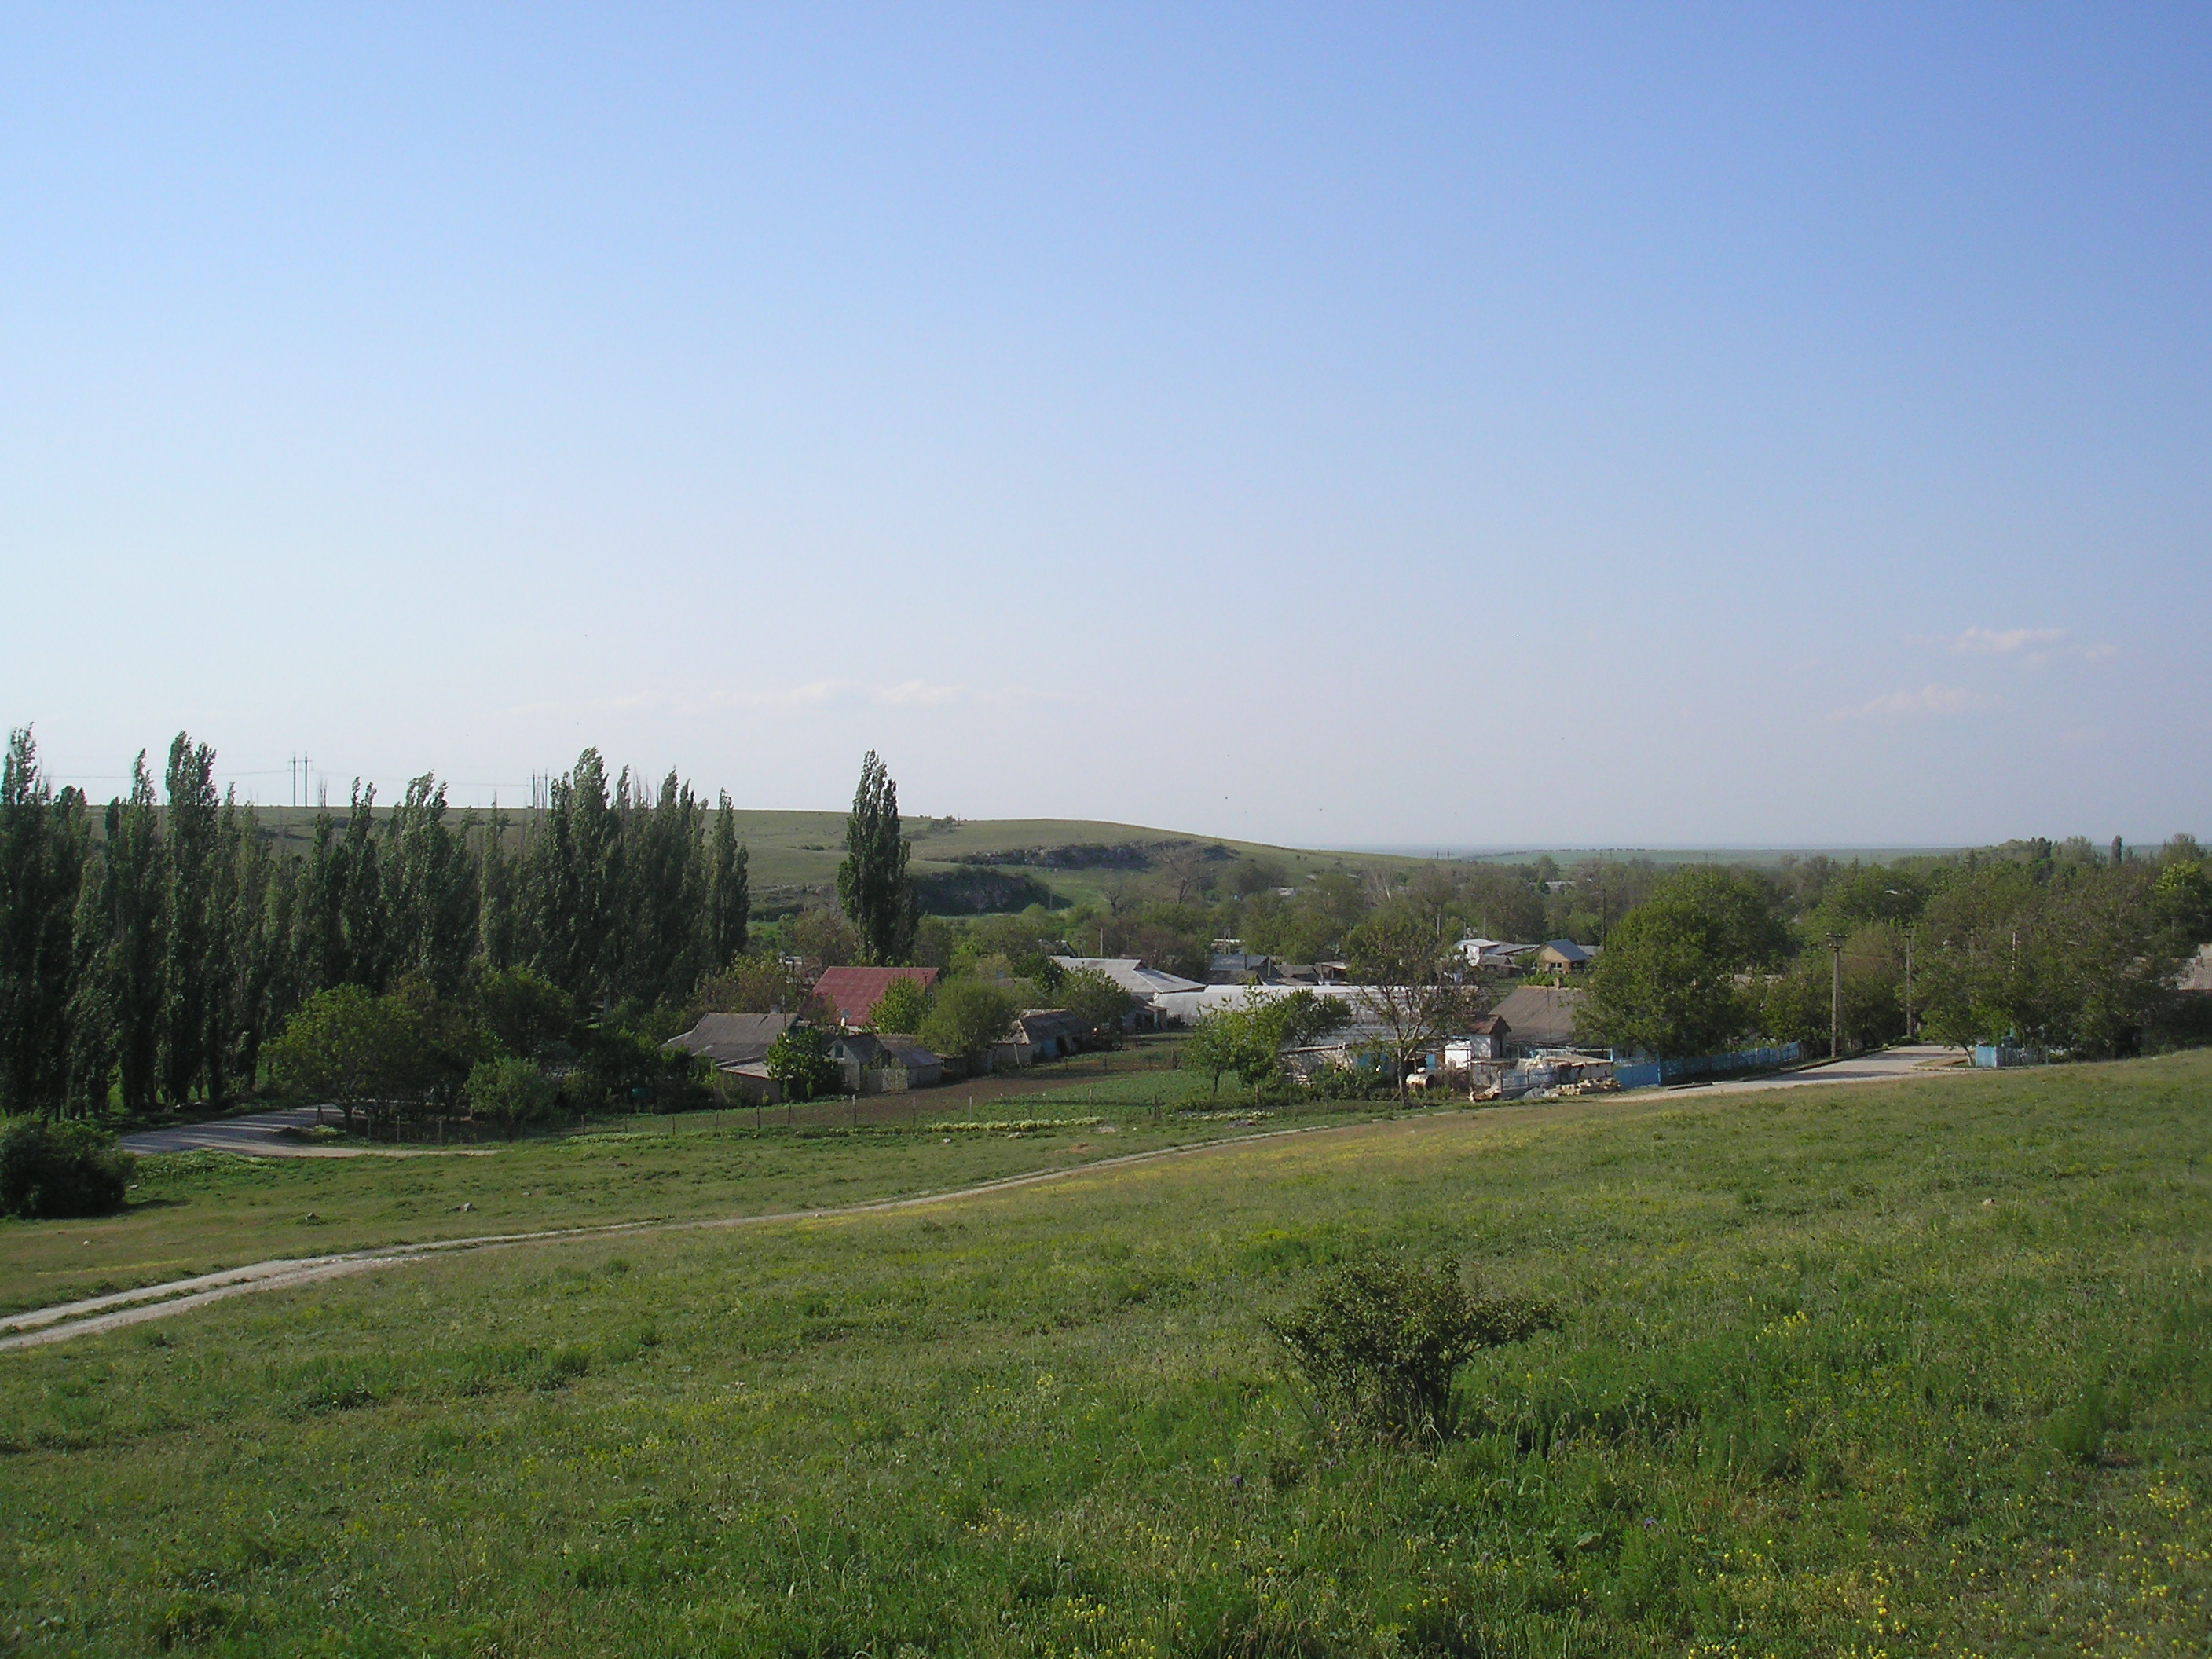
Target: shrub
pixel 1381 1340
pixel 51 1170
pixel 510 1094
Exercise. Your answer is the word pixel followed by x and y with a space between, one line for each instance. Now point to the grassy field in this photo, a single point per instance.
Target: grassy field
pixel 1913 1369
pixel 199 1213
pixel 793 850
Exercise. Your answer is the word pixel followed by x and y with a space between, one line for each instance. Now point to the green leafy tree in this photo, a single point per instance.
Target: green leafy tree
pixel 394 1055
pixel 190 922
pixel 2054 953
pixel 1411 993
pixel 1667 984
pixel 2183 892
pixel 1216 1043
pixel 528 1015
pixel 966 1017
pixel 800 1060
pixel 498 900
pixel 92 1009
pixel 363 911
pixel 756 985
pixel 573 876
pixel 44 843
pixel 873 887
pixel 136 881
pixel 348 1048
pixel 904 1006
pixel 729 893
pixel 1093 998
pixel 666 895
pixel 430 891
pixel 510 1094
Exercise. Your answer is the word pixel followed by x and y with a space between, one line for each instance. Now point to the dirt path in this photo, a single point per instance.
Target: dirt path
pixel 63 1320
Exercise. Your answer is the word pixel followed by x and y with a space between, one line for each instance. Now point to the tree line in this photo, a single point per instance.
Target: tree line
pixel 151 950
pixel 2054 946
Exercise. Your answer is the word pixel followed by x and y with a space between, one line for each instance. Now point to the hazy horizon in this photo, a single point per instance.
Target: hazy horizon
pixel 1694 427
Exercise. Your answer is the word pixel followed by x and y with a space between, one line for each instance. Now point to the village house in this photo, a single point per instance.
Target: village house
pixel 853 992
pixel 880 1065
pixel 1563 956
pixel 1539 1017
pixel 736 1046
pixel 1038 1034
pixel 1483 1039
pixel 1145 986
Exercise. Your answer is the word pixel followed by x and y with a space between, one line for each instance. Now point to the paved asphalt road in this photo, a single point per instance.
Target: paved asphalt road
pixel 260 1135
pixel 1884 1066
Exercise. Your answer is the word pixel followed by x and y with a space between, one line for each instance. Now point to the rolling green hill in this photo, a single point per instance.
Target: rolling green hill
pixel 796 853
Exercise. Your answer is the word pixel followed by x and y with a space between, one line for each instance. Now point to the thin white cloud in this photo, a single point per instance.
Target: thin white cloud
pixel 911 692
pixel 1928 700
pixel 2006 641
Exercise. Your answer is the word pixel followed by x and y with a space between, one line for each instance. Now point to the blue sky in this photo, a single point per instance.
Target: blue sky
pixel 1623 426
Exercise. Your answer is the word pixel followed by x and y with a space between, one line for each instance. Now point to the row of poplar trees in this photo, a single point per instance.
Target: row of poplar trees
pixel 144 958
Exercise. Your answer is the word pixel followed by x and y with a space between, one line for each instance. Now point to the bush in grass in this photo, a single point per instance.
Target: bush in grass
pixel 51 1169
pixel 511 1095
pixel 1380 1341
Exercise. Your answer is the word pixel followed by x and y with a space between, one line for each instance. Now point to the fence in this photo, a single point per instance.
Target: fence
pixel 1645 1073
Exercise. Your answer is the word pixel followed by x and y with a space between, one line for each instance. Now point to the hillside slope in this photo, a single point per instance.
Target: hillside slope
pixel 796 853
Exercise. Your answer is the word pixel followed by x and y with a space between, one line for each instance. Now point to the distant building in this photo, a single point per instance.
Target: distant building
pixel 1237 967
pixel 1038 1034
pixel 2196 973
pixel 1145 986
pixel 729 1040
pixel 736 1046
pixel 1540 1016
pixel 1483 1039
pixel 853 992
pixel 1565 956
pixel 1494 955
pixel 876 1065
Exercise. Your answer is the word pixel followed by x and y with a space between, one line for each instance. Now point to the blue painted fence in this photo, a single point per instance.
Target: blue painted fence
pixel 1646 1073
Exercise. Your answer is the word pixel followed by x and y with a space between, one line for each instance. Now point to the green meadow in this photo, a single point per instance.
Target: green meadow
pixel 1913 1369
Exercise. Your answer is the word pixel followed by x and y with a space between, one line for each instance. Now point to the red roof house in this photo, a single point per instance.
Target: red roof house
pixel 853 992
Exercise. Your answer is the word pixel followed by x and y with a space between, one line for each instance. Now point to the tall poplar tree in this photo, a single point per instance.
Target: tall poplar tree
pixel 42 853
pixel 498 918
pixel 430 893
pixel 663 943
pixel 189 921
pixel 729 895
pixel 136 885
pixel 574 872
pixel 363 916
pixel 92 1009
pixel 877 894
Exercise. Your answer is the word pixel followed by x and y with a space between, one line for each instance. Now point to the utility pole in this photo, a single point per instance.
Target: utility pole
pixel 1836 997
